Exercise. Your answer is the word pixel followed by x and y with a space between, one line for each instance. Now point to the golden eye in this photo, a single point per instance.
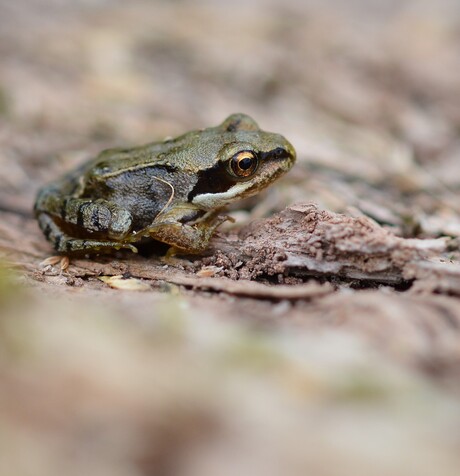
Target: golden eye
pixel 244 163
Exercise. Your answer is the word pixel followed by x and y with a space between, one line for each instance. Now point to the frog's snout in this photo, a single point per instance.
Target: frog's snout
pixel 284 154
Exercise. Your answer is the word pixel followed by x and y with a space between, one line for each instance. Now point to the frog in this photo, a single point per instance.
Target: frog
pixel 172 191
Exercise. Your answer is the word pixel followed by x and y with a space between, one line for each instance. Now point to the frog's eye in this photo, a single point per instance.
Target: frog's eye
pixel 244 164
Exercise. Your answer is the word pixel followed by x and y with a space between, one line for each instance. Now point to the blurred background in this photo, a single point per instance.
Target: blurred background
pixel 366 88
pixel 368 91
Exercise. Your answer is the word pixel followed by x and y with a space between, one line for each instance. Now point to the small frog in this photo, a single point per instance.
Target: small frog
pixel 171 191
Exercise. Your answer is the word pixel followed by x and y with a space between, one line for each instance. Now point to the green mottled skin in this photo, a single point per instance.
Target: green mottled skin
pixel 170 191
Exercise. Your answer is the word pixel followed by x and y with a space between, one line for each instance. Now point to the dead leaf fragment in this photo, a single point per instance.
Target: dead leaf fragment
pixel 126 284
pixel 208 271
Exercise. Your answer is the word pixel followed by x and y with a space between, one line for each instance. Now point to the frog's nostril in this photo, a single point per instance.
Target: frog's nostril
pixel 280 153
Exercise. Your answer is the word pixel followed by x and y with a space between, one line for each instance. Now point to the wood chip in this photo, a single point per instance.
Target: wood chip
pixel 125 284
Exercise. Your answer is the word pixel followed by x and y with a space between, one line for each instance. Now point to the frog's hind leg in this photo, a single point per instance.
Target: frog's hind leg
pixel 87 215
pixel 65 244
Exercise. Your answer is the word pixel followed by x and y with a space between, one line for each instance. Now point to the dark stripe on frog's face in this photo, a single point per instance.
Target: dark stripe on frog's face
pixel 213 180
pixel 276 154
pixel 218 179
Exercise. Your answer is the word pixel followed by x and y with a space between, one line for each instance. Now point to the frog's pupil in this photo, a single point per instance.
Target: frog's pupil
pixel 245 163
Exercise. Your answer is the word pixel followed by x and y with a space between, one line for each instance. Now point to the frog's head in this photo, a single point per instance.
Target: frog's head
pixel 246 161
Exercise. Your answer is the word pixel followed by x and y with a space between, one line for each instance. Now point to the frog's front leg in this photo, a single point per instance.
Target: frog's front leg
pixel 192 238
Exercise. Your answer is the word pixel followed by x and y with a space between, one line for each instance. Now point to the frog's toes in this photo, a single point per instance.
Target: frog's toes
pixel 170 258
pixel 51 261
pixel 223 218
pixel 65 263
